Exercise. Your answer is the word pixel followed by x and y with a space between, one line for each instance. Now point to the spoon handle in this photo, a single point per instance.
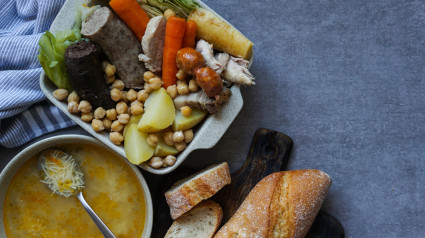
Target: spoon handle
pixel 99 223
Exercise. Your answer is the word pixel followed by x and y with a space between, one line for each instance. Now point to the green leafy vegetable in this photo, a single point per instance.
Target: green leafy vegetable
pixel 52 51
pixel 182 8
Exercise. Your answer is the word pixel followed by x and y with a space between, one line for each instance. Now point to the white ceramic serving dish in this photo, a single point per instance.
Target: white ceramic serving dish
pixel 206 136
pixel 13 166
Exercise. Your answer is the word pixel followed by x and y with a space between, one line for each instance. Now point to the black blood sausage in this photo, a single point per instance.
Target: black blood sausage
pixel 84 70
pixel 120 45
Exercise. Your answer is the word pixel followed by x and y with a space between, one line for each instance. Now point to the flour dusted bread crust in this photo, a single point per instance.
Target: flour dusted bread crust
pixel 200 222
pixel 187 193
pixel 283 204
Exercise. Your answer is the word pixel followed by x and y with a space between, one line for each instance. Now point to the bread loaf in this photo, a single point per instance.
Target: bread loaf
pixel 283 204
pixel 187 193
pixel 200 222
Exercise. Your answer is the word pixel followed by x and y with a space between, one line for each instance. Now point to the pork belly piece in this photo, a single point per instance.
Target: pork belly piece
pixel 84 69
pixel 237 72
pixel 200 100
pixel 120 45
pixel 206 50
pixel 153 44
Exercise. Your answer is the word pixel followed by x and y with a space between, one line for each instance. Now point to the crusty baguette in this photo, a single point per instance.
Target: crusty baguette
pixel 200 222
pixel 187 193
pixel 283 204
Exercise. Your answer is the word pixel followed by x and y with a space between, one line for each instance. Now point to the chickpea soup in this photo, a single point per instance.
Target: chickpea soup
pixel 111 189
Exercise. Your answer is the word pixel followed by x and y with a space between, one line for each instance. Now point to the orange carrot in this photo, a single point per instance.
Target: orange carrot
pixel 132 14
pixel 189 34
pixel 174 33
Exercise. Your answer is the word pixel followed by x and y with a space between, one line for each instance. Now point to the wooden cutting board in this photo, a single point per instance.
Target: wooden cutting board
pixel 269 153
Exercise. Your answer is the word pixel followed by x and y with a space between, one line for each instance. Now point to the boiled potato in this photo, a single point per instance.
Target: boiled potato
pixel 159 112
pixel 162 149
pixel 133 120
pixel 136 146
pixel 223 36
pixel 182 123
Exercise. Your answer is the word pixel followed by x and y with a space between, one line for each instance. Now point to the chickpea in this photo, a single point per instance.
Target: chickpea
pixel 117 126
pixel 99 113
pixel 97 125
pixel 181 75
pixel 104 64
pixel 131 95
pixel 84 106
pixel 87 117
pixel 168 138
pixel 156 162
pixel 124 118
pixel 118 84
pixel 73 97
pixel 142 95
pixel 180 146
pixel 178 136
pixel 168 13
pixel 110 69
pixel 107 123
pixel 172 91
pixel 155 83
pixel 182 89
pixel 121 107
pixel 147 87
pixel 186 111
pixel 111 114
pixel 193 86
pixel 188 136
pixel 116 94
pixel 170 160
pixel 73 107
pixel 116 137
pixel 60 94
pixel 148 75
pixel 152 139
pixel 136 109
pixel 124 96
pixel 110 79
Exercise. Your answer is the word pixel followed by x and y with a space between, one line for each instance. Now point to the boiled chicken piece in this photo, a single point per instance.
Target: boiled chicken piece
pixel 207 52
pixel 223 59
pixel 200 100
pixel 237 72
pixel 153 44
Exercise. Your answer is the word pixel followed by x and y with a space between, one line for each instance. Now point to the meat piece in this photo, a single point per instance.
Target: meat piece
pixel 200 100
pixel 209 81
pixel 223 59
pixel 237 72
pixel 120 45
pixel 189 60
pixel 153 44
pixel 207 52
pixel 84 68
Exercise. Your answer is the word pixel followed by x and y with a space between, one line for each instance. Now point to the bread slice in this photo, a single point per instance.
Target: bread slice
pixel 187 193
pixel 283 204
pixel 200 222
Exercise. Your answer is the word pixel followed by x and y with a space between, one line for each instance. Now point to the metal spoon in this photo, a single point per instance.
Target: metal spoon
pixel 70 182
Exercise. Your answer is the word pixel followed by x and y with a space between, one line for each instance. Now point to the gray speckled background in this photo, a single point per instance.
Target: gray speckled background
pixel 345 80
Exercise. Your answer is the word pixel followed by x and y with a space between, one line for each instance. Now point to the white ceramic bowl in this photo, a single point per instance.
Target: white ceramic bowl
pixel 10 170
pixel 206 136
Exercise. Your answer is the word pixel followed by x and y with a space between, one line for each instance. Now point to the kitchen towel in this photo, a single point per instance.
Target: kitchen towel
pixel 24 113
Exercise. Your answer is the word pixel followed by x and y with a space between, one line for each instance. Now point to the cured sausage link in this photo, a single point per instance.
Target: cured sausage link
pixel 120 45
pixel 85 73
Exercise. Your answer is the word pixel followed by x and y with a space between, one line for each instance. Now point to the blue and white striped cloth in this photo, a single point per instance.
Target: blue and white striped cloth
pixel 24 114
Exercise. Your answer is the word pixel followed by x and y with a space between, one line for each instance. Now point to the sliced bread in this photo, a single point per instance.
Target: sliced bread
pixel 200 222
pixel 187 193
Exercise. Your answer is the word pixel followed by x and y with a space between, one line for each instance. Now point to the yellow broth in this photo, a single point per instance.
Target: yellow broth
pixel 111 189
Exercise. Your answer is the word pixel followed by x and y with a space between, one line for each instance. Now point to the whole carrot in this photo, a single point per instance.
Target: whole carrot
pixel 174 33
pixel 189 34
pixel 132 14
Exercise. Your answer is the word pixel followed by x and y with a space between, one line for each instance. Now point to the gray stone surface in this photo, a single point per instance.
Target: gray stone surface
pixel 345 80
